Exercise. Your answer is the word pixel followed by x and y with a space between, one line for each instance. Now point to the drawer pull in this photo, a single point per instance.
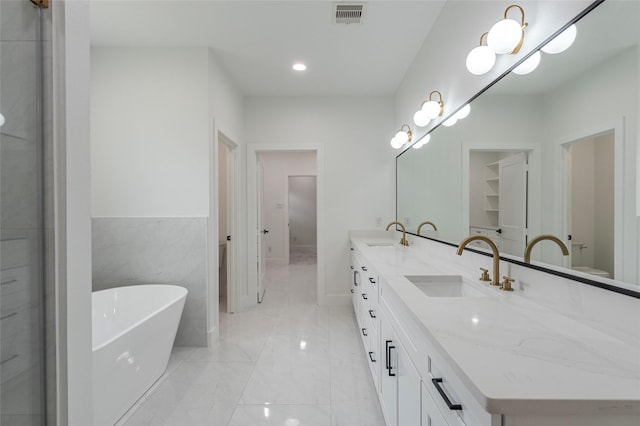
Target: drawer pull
pixel 371 357
pixel 364 268
pixel 389 366
pixel 364 296
pixel 355 278
pixel 351 267
pixel 372 281
pixel 351 290
pixel 371 313
pixel 9 316
pixel 8 282
pixel 436 383
pixel 364 332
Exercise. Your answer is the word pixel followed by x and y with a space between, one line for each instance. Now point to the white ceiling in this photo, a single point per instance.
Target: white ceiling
pixel 258 41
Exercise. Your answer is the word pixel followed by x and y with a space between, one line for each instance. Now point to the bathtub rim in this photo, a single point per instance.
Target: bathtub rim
pixel 184 292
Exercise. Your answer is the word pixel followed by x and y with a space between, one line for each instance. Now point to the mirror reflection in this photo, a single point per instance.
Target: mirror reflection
pixel 551 152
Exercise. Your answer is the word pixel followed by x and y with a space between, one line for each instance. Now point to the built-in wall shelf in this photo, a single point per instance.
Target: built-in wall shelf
pixel 492 188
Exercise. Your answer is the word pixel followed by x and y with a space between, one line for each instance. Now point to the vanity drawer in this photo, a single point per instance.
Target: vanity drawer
pixel 453 400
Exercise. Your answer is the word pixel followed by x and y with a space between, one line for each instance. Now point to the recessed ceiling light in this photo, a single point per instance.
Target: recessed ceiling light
pixel 299 67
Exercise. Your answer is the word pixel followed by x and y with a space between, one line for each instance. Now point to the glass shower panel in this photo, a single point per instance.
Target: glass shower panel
pixel 23 382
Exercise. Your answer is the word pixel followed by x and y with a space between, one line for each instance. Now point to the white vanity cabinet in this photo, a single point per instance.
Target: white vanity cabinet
pixel 399 380
pixel 365 300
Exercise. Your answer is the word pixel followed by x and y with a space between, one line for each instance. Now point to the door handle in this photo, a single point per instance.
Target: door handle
pixel 265 231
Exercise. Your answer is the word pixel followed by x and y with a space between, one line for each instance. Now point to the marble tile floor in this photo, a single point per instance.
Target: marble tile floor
pixel 286 362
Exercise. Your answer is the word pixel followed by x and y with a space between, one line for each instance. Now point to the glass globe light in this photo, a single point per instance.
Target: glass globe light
pixel 420 118
pixel 394 143
pixel 529 65
pixel 431 109
pixel 480 60
pixel 504 36
pixel 402 137
pixel 562 42
pixel 463 112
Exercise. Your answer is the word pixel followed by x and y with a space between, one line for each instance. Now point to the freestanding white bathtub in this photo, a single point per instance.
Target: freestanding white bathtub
pixel 133 332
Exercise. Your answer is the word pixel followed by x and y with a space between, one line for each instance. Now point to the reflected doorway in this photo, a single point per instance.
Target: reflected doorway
pixel 498 198
pixel 302 219
pixel 591 199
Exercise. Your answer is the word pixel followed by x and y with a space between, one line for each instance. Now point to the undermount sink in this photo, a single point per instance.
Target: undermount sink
pixel 444 286
pixel 380 244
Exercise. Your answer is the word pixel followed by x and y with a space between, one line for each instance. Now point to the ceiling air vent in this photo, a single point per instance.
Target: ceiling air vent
pixel 347 13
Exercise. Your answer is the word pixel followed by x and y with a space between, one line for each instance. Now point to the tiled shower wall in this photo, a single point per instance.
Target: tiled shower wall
pixel 26 213
pixel 130 251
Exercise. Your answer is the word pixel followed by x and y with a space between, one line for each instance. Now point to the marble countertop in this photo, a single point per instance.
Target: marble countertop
pixel 515 356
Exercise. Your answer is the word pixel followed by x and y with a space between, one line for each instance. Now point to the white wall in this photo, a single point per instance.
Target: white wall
pixel 359 176
pixel 277 166
pixel 440 63
pixel 149 132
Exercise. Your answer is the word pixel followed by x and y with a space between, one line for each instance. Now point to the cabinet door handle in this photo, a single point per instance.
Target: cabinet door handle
pixel 355 278
pixel 371 357
pixel 364 296
pixel 371 313
pixel 372 281
pixel 351 290
pixel 391 373
pixel 364 332
pixel 386 353
pixel 436 383
pixel 364 268
pixel 352 267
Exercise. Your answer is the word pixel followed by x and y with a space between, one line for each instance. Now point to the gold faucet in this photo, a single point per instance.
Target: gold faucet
pixel 426 223
pixel 533 242
pixel 403 240
pixel 494 248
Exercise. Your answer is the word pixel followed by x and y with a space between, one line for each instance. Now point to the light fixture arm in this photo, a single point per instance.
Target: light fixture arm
pixel 408 131
pixel 440 102
pixel 524 25
pixel 484 35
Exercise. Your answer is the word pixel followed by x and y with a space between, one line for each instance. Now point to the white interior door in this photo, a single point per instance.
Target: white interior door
pixel 261 232
pixel 513 203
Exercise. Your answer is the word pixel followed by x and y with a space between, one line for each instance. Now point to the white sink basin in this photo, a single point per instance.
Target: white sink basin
pixel 444 286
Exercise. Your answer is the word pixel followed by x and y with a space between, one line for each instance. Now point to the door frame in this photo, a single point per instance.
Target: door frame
pixel 213 234
pixel 252 256
pixel 562 194
pixel 533 150
pixel 286 212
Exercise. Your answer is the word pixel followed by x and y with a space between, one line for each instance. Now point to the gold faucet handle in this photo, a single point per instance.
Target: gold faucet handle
pixel 485 275
pixel 506 284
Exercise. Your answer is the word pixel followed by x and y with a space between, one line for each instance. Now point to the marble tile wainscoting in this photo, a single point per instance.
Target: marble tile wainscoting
pixel 145 250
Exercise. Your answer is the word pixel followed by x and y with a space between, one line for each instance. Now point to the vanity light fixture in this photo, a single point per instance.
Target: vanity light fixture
pixel 429 110
pixel 507 35
pixel 562 42
pixel 402 137
pixel 422 142
pixel 529 65
pixel 481 59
